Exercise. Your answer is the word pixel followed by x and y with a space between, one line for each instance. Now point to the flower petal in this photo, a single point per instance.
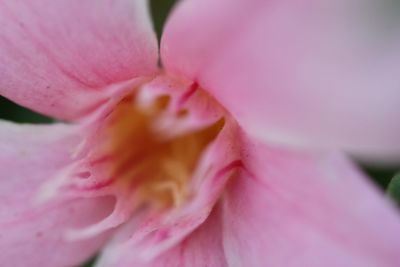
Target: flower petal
pixel 293 209
pixel 57 57
pixel 201 248
pixel 305 73
pixel 34 235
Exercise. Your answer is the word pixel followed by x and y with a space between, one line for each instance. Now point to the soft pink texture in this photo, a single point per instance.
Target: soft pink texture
pixel 285 207
pixel 202 248
pixel 309 73
pixel 58 57
pixel 295 209
pixel 30 155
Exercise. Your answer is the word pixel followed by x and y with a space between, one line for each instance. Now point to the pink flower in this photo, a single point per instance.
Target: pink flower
pixel 227 156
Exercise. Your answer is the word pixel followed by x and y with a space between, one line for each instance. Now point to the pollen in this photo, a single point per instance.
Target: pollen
pixel 157 167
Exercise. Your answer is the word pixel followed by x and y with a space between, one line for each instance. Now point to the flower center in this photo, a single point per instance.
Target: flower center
pixel 146 158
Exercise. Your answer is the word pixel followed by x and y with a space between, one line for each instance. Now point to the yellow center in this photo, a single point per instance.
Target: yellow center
pixel 158 168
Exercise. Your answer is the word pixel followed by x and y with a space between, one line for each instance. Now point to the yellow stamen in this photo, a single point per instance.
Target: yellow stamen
pixel 159 168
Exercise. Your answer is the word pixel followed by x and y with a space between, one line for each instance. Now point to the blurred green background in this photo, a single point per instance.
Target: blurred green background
pixel 160 10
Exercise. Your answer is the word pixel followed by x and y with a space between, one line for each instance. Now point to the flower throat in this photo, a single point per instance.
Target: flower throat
pixel 158 167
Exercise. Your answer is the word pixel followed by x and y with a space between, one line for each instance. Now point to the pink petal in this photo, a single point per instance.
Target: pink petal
pixel 305 73
pixel 34 235
pixel 58 57
pixel 201 248
pixel 294 209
